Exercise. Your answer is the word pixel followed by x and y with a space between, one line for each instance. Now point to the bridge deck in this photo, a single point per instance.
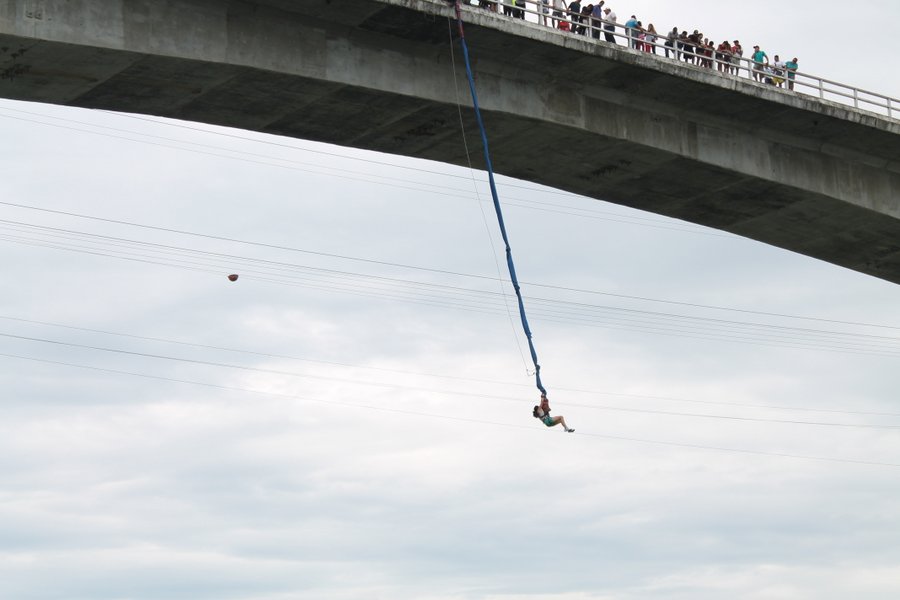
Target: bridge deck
pixel 814 177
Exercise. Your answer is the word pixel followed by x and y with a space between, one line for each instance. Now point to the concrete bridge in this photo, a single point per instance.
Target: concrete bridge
pixel 610 123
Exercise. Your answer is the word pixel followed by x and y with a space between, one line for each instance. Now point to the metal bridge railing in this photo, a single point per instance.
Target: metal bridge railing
pixel 602 31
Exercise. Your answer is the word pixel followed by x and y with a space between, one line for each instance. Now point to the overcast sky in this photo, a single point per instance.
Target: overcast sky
pixel 351 418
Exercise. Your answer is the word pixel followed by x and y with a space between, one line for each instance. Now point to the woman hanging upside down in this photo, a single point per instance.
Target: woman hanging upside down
pixel 542 412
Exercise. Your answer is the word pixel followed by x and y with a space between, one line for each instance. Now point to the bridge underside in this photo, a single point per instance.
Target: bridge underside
pixel 604 122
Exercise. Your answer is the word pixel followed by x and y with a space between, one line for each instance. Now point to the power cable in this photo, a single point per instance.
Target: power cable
pixel 567 310
pixel 441 271
pixel 436 375
pixel 469 420
pixel 441 301
pixel 428 390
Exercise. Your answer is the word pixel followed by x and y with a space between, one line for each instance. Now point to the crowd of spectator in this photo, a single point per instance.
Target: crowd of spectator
pixel 595 19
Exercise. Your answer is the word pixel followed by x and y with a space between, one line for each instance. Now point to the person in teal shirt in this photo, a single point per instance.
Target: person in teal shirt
pixel 760 60
pixel 631 30
pixel 791 67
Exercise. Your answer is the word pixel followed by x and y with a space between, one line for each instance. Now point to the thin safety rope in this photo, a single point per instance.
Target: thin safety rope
pixel 497 209
pixel 462 127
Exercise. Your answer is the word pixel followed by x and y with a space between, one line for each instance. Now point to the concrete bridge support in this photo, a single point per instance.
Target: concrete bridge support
pixel 595 119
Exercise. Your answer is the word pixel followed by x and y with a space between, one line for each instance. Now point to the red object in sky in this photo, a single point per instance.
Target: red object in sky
pixel 233 277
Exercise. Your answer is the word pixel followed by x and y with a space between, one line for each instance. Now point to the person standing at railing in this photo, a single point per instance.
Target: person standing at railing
pixel 559 7
pixel 760 62
pixel 610 27
pixel 736 53
pixel 631 31
pixel 694 47
pixel 684 46
pixel 640 36
pixel 650 38
pixel 597 19
pixel 586 11
pixel 778 71
pixel 707 51
pixel 671 40
pixel 723 57
pixel 791 67
pixel 575 14
pixel 519 13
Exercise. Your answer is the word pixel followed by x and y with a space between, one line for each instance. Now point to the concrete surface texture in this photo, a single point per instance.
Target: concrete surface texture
pixel 810 176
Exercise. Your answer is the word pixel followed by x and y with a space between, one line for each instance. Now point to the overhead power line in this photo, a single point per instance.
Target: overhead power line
pixel 438 271
pixel 453 296
pixel 422 389
pixel 387 409
pixel 439 375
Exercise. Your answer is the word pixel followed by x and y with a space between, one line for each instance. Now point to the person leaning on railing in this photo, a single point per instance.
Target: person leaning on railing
pixel 671 40
pixel 791 67
pixel 690 48
pixel 736 53
pixel 693 49
pixel 631 32
pixel 610 27
pixel 586 12
pixel 723 57
pixel 683 43
pixel 778 71
pixel 707 51
pixel 575 14
pixel 597 19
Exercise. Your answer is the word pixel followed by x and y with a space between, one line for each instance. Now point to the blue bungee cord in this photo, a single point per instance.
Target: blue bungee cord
pixel 497 209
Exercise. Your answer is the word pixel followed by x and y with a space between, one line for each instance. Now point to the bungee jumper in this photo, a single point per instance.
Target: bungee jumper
pixel 542 412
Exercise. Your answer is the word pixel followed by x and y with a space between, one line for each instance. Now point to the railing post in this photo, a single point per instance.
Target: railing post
pixel 821 88
pixel 855 98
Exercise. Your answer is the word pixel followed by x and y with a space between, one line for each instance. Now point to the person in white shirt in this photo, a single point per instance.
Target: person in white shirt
pixel 610 26
pixel 559 7
pixel 778 71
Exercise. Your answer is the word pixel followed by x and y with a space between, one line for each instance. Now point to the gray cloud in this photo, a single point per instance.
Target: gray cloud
pixel 372 478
